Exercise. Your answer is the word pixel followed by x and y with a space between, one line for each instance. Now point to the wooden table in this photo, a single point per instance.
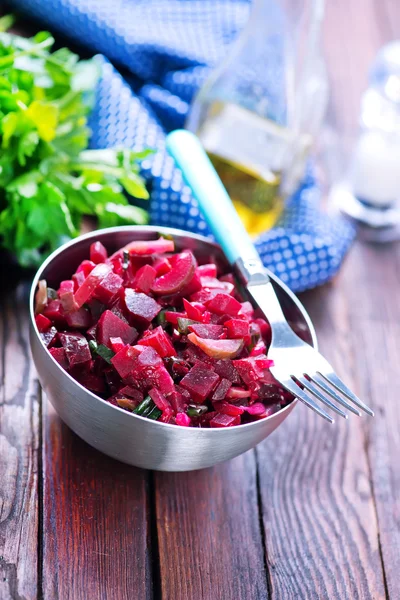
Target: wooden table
pixel 311 513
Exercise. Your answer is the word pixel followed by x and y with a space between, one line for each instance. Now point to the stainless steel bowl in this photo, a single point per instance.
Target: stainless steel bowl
pixel 132 439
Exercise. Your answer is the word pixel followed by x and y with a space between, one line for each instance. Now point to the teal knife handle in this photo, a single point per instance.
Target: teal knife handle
pixel 214 202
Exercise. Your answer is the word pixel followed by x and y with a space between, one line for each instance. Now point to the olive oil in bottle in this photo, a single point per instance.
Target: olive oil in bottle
pixel 259 110
pixel 248 152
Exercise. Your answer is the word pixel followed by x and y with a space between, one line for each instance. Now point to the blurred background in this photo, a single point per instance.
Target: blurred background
pixel 297 104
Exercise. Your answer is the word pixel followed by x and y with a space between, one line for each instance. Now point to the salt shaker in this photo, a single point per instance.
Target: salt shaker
pixel 370 191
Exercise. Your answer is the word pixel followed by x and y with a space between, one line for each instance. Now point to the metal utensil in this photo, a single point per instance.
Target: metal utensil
pixel 131 438
pixel 301 369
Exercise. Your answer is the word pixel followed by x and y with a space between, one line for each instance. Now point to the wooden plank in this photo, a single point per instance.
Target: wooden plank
pixel 210 545
pixel 19 426
pixel 318 508
pixel 95 521
pixel 374 311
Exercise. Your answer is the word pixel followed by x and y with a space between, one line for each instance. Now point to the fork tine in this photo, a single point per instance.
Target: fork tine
pixel 314 390
pixel 321 382
pixel 342 387
pixel 292 387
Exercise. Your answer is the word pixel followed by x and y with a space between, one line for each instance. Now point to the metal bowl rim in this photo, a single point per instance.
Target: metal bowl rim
pixel 166 231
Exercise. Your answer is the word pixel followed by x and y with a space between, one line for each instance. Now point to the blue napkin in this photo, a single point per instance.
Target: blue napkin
pixel 166 49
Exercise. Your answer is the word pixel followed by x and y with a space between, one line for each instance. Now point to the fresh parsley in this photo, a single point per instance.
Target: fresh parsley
pixel 48 178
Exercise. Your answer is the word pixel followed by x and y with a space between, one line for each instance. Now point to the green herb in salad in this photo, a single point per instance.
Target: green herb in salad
pixel 48 178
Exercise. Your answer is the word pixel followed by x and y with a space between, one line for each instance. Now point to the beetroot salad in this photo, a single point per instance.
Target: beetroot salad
pixel 154 333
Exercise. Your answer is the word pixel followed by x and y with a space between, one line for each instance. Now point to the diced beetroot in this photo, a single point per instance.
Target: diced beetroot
pixel 94 383
pixel 160 341
pixel 217 348
pixel 183 420
pixel 141 308
pixel 228 409
pixel 148 357
pixel 161 265
pixel 222 420
pixel 200 382
pixel 179 276
pixel 49 337
pixel 144 279
pixel 237 328
pixel 221 390
pixel 98 253
pixel 110 326
pixel 116 344
pixel 108 288
pixel 167 415
pixel 192 287
pixel 206 317
pixel 79 319
pixel 66 295
pixel 251 369
pixel 91 332
pixel 209 270
pixel 246 310
pixel 86 267
pixel 178 401
pixel 59 355
pixel 133 393
pixel 235 393
pixel 159 399
pixel 160 378
pixel 224 304
pixel 55 312
pixel 172 317
pixel 192 311
pixel 78 279
pixel 85 291
pixel 207 331
pixel 258 349
pixel 263 362
pixel 119 309
pixel 125 360
pixel 42 323
pixel 210 283
pixel 76 348
pixel 265 329
pixel 116 265
pixel 226 369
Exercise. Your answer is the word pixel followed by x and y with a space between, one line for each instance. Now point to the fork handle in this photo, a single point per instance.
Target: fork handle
pixel 214 202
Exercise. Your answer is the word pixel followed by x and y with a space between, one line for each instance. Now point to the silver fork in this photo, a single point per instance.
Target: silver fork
pixel 299 368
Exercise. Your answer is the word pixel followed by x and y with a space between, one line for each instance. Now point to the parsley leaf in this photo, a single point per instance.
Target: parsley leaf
pixel 49 179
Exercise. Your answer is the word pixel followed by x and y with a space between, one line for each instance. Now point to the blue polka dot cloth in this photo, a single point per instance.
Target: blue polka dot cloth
pixel 155 55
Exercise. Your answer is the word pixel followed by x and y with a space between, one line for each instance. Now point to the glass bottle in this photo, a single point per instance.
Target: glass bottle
pixel 369 190
pixel 258 113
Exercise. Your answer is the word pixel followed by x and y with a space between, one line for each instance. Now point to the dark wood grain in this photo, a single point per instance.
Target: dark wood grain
pixel 95 521
pixel 321 528
pixel 375 323
pixel 19 426
pixel 209 539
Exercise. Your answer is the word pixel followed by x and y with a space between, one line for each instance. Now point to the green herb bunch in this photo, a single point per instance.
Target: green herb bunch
pixel 48 178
